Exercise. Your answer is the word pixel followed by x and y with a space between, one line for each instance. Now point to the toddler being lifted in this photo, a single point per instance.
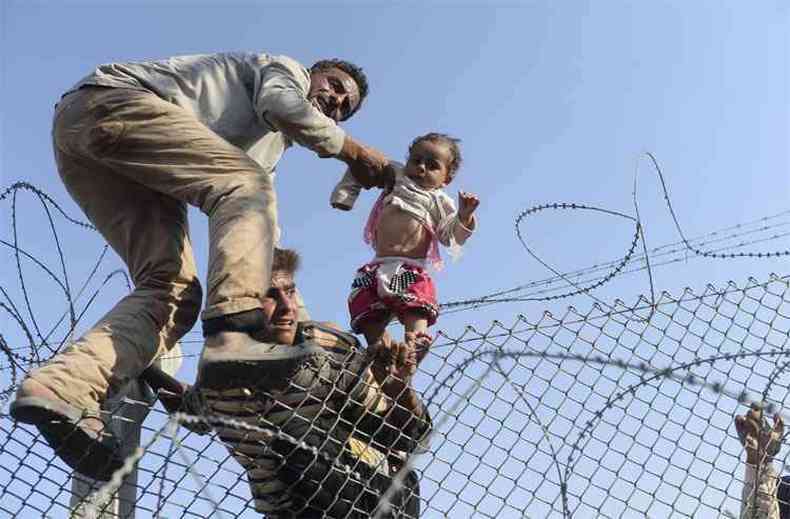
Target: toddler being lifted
pixel 412 214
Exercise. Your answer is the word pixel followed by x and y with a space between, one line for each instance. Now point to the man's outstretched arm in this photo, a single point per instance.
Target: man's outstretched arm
pixel 282 102
pixel 761 443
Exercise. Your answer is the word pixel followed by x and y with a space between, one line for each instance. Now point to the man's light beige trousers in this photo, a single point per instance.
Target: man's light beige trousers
pixel 133 162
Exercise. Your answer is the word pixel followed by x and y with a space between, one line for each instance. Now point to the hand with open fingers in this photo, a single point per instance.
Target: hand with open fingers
pixel 373 159
pixel 370 176
pixel 420 342
pixel 368 167
pixel 366 163
pixel 760 440
pixel 379 353
pixel 395 359
pixel 467 203
pixel 404 364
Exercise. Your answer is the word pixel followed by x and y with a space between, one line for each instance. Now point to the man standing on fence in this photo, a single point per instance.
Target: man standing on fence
pixel 134 144
pixel 317 432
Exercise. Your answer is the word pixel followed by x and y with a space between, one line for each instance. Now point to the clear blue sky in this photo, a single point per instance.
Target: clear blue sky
pixel 554 101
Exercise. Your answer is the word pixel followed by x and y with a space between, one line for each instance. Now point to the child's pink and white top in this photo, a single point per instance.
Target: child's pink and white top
pixel 433 208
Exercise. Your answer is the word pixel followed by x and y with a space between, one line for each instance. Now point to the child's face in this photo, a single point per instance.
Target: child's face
pixel 429 164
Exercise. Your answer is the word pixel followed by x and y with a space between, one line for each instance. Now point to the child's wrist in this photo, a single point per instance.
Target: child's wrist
pixel 467 220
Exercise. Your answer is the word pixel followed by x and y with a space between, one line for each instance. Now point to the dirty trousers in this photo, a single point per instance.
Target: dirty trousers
pixel 133 162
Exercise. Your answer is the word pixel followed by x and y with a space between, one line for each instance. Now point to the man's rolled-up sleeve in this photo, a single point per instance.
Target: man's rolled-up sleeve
pixel 281 103
pixel 758 497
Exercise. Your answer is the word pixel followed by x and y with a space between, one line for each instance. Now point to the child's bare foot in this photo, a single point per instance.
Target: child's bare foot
pixel 420 343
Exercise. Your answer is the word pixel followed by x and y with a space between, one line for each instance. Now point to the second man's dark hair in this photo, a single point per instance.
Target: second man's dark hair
pixel 286 260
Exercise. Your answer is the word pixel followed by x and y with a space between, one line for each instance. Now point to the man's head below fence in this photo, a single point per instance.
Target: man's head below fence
pixel 319 425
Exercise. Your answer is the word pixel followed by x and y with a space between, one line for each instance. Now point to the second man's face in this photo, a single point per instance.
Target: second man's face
pixel 281 308
pixel 334 93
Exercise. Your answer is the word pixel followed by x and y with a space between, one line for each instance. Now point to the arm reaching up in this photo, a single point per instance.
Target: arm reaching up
pixel 761 442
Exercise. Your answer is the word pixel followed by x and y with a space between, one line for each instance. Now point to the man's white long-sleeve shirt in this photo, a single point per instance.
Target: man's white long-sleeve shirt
pixel 758 497
pixel 256 102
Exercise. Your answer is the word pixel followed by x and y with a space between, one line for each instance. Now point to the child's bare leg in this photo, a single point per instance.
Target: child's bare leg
pixel 415 325
pixel 415 322
pixel 374 328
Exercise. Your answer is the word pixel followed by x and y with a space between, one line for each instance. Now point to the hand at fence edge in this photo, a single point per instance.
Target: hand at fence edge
pixel 175 396
pixel 760 440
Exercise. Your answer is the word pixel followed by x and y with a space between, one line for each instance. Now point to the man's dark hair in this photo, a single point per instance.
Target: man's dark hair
pixel 286 260
pixel 352 70
pixel 452 144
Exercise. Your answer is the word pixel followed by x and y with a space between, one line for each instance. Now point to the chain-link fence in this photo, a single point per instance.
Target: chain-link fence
pixel 623 411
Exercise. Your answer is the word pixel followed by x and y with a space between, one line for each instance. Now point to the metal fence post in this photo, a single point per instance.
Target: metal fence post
pixel 132 404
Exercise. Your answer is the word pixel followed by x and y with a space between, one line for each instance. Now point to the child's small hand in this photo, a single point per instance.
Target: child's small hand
pixel 467 203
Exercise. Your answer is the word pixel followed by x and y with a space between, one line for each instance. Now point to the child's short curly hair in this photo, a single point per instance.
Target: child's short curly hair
pixel 452 144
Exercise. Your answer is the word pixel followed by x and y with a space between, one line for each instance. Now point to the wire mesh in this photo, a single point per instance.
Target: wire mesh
pixel 617 411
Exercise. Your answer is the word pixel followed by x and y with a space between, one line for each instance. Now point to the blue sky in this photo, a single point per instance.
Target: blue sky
pixel 554 102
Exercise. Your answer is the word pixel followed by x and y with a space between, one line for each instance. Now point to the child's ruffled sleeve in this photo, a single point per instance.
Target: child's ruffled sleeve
pixel 450 231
